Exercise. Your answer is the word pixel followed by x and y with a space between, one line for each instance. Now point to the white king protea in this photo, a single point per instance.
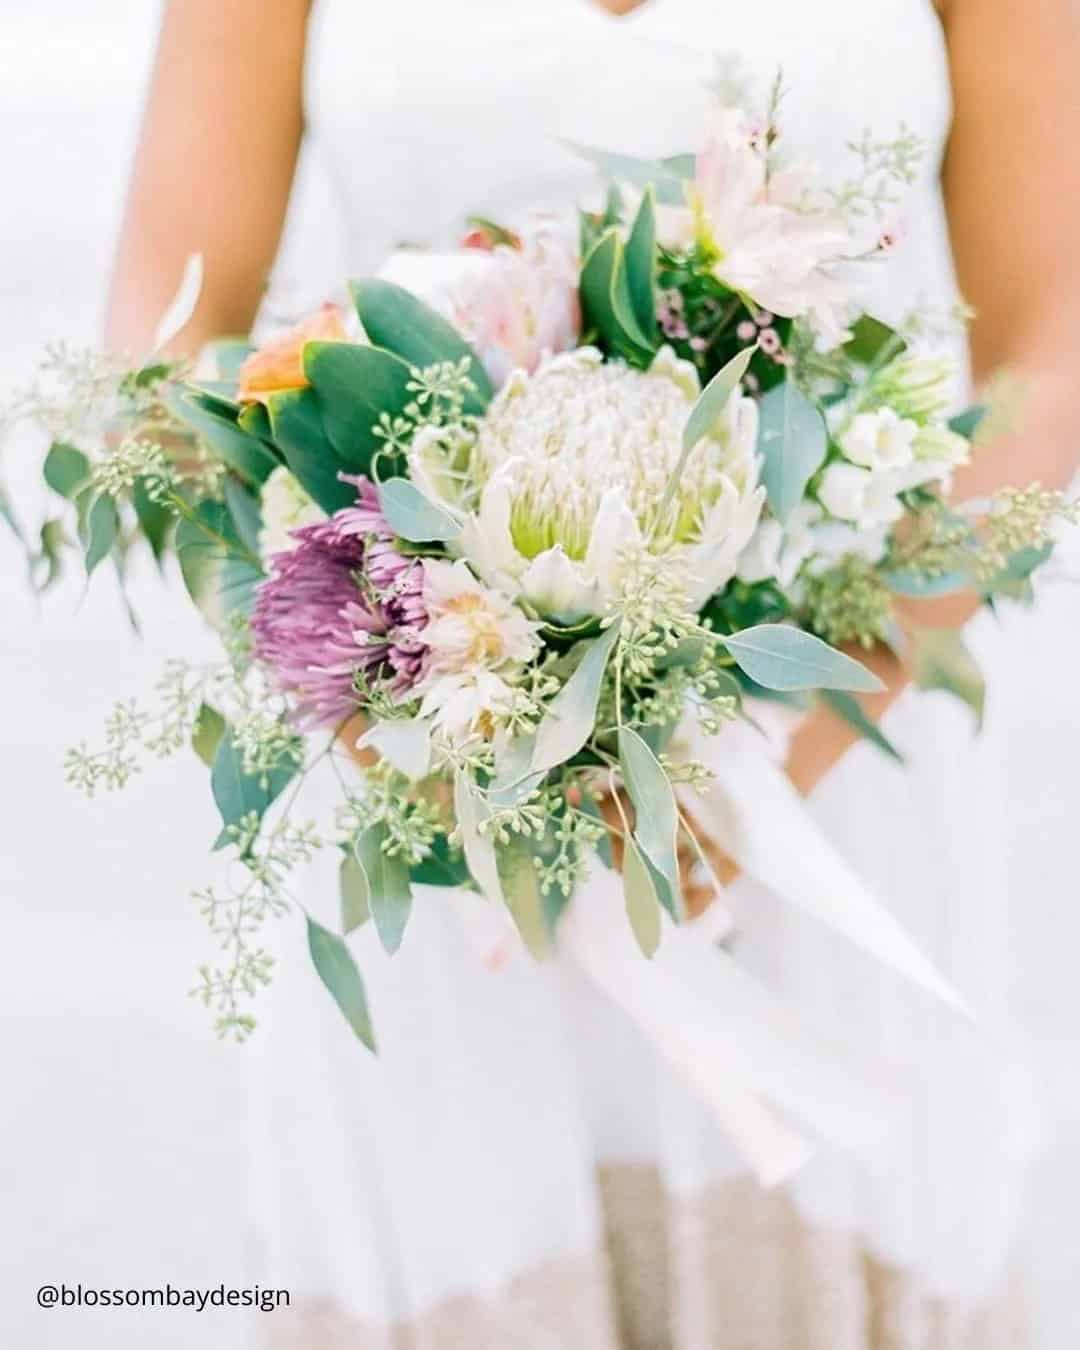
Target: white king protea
pixel 568 470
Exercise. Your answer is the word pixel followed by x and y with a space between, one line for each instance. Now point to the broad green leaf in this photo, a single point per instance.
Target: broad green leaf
pixel 413 516
pixel 521 891
pixel 339 973
pixel 605 298
pixel 206 734
pixel 792 441
pixel 299 433
pixel 354 386
pixel 656 816
pixel 214 421
pixel 665 177
pixel 255 420
pixel 849 708
pixel 784 658
pixel 353 893
pixel 641 264
pixel 873 342
pixel 395 319
pixel 100 527
pixel 239 794
pixel 66 470
pixel 642 902
pixel 155 521
pixel 389 891
pixel 571 715
pixel 713 398
pixel 942 661
pixel 245 514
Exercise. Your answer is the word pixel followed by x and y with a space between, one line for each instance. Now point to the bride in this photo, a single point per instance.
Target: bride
pixel 519 1169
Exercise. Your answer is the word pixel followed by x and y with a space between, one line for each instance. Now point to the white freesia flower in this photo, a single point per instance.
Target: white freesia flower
pixel 861 496
pixel 471 627
pixel 467 704
pixel 285 506
pixel 477 640
pixel 777 552
pixel 832 540
pixel 880 440
pixel 572 464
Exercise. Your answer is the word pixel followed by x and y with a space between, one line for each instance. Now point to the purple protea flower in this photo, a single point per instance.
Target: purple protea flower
pixel 342 600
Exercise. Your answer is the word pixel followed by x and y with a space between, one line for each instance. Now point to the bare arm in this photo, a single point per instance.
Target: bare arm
pixel 1012 184
pixel 214 166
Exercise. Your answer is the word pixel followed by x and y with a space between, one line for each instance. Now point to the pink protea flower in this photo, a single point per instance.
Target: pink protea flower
pixel 342 600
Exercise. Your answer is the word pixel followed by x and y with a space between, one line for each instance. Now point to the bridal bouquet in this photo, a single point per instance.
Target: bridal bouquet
pixel 486 546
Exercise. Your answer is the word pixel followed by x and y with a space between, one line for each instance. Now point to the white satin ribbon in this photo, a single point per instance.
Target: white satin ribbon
pixel 757 817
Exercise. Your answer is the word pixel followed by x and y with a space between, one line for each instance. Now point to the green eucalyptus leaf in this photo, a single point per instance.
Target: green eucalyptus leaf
pixel 850 710
pixel 443 866
pixel 206 734
pixel 413 516
pixel 354 386
pixel 53 540
pixel 239 794
pixel 713 398
pixel 664 176
pixel 604 851
pixel 215 422
pixel 155 521
pixel 943 661
pixel 228 355
pixel 395 319
pixel 403 742
pixel 470 812
pixel 641 264
pixel 521 891
pixel 100 528
pixel 214 563
pixel 571 716
pixel 920 586
pixel 245 514
pixel 297 425
pixel 389 890
pixel 656 815
pixel 793 442
pixel 967 423
pixel 353 893
pixel 787 659
pixel 66 470
pixel 338 971
pixel 642 902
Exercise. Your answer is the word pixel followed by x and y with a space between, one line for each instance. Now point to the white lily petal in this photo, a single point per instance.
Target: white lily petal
pixel 559 589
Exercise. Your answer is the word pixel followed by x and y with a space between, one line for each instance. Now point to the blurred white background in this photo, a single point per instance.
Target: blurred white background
pixel 122 1121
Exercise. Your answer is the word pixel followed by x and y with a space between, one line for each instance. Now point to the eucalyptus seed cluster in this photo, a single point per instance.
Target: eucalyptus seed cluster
pixel 849 603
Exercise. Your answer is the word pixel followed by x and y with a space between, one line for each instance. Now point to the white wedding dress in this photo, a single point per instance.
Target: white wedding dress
pixel 519 1167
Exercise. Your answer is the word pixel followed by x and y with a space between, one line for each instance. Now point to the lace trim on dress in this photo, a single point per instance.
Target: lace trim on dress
pixel 731 1268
